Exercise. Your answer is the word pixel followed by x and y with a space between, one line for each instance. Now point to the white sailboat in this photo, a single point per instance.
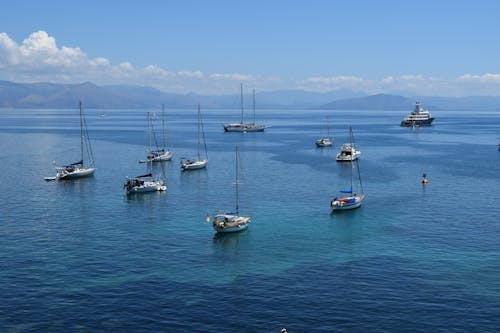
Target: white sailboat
pixel 83 168
pixel 232 222
pixel 350 198
pixel 245 127
pixel 348 151
pixel 155 153
pixel 199 162
pixel 143 184
pixel 325 141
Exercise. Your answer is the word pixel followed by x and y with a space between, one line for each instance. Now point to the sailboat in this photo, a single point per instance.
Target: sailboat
pixel 144 183
pixel 325 141
pixel 84 167
pixel 198 163
pixel 156 154
pixel 232 222
pixel 348 151
pixel 350 198
pixel 241 126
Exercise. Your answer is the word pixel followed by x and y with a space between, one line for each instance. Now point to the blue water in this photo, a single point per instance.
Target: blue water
pixel 80 256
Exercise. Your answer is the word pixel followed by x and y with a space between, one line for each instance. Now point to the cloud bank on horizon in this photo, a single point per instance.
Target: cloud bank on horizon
pixel 39 59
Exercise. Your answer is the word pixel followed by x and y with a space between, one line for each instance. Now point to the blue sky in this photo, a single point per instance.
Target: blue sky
pixel 421 47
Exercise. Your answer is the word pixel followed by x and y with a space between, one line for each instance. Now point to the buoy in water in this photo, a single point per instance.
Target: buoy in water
pixel 424 180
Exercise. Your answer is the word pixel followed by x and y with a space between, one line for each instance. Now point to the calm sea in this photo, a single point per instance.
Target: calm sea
pixel 79 256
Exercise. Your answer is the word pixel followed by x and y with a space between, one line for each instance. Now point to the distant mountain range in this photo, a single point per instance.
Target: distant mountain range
pixel 53 95
pixel 50 95
pixel 395 102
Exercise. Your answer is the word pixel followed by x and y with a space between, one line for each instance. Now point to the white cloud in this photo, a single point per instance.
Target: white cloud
pixel 99 62
pixel 126 66
pixel 486 78
pixel 232 77
pixel 39 58
pixel 320 83
pixel 191 74
pixel 7 51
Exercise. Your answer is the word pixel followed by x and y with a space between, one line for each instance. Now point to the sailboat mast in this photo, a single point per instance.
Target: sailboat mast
pixel 328 125
pixel 254 106
pixel 163 125
pixel 199 128
pixel 352 148
pixel 150 134
pixel 357 164
pixel 359 177
pixel 81 131
pixel 241 89
pixel 236 173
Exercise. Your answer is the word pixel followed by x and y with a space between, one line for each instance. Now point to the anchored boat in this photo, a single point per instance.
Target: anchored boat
pixel 232 222
pixel 198 162
pixel 245 127
pixel 348 151
pixel 83 168
pixel 350 198
pixel 418 117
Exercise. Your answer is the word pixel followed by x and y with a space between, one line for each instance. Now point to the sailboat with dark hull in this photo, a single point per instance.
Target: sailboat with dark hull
pixel 85 166
pixel 233 221
pixel 245 127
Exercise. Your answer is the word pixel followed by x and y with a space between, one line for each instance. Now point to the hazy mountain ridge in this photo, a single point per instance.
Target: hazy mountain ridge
pixel 55 95
pixel 373 102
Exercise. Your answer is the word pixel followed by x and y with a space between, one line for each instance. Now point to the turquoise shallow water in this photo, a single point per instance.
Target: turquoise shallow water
pixel 80 256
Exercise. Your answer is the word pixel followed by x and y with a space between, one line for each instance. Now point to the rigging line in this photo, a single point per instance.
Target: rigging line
pixel 236 185
pixel 81 131
pixel 204 140
pixel 153 135
pixel 254 106
pixel 241 89
pixel 359 176
pixel 163 125
pixel 88 147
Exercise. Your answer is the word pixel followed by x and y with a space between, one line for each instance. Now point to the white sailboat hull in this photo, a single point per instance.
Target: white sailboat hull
pixel 160 158
pixel 346 203
pixel 230 223
pixel 324 142
pixel 190 165
pixel 148 186
pixel 233 229
pixel 62 173
pixel 165 157
pixel 244 128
